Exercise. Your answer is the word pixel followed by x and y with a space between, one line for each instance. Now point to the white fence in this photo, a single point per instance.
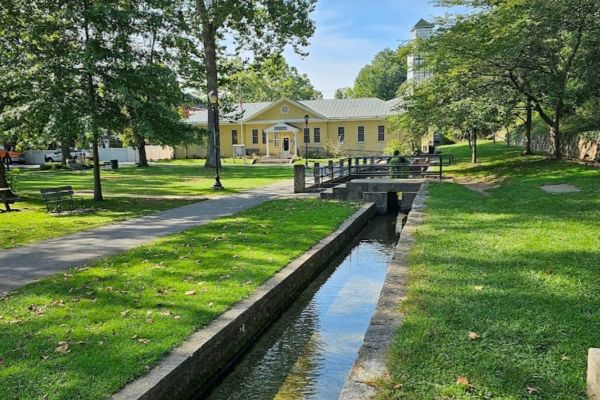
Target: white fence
pixel 127 154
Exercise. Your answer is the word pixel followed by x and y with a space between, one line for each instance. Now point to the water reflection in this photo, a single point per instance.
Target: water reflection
pixel 308 352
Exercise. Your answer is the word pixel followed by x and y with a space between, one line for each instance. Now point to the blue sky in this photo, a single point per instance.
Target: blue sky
pixel 350 32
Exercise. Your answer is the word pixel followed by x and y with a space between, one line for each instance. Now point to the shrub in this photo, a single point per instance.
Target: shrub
pixel 52 165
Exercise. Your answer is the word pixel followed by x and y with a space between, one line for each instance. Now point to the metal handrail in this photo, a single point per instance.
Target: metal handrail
pixel 417 166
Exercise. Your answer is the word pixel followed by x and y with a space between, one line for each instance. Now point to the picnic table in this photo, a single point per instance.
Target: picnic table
pixel 8 197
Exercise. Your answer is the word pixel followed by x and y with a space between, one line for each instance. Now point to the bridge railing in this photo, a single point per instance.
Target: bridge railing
pixel 322 175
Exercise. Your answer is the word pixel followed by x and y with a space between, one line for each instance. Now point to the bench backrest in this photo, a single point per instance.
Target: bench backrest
pixel 57 192
pixel 7 194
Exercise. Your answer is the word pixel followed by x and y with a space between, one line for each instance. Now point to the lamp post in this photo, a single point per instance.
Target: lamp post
pixel 306 118
pixel 213 97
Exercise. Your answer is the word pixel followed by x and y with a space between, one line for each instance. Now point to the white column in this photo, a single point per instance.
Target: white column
pixel 296 143
pixel 267 132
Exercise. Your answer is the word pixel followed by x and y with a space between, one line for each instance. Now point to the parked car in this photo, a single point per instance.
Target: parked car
pixel 11 156
pixel 56 155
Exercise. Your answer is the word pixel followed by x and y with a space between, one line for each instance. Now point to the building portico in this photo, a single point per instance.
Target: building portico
pixel 285 139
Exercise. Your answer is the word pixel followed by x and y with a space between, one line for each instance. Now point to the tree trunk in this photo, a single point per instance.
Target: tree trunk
pixel 212 84
pixel 474 148
pixel 3 178
pixel 507 137
pixel 96 154
pixel 141 145
pixel 93 119
pixel 528 125
pixel 66 150
pixel 556 142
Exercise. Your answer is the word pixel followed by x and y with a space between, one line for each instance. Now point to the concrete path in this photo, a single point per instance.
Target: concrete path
pixel 32 262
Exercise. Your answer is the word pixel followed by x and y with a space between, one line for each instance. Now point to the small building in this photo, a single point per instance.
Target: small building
pixel 277 129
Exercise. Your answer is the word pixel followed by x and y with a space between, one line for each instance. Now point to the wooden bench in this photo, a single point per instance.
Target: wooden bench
pixel 8 197
pixel 56 198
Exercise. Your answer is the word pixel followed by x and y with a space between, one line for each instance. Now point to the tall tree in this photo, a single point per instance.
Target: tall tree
pixel 260 26
pixel 383 76
pixel 344 93
pixel 538 48
pixel 269 80
pixel 148 88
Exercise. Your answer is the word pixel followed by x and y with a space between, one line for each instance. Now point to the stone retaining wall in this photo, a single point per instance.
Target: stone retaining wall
pixel 371 363
pixel 191 368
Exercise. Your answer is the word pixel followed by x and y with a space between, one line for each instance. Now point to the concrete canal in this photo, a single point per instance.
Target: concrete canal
pixel 308 352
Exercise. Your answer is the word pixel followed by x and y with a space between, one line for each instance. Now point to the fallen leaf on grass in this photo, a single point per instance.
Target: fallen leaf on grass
pixel 473 336
pixel 478 288
pixel 565 357
pixel 462 380
pixel 124 313
pixel 177 317
pixel 532 390
pixel 165 313
pixel 190 293
pixel 63 347
pixel 211 304
pixel 144 341
pixel 398 386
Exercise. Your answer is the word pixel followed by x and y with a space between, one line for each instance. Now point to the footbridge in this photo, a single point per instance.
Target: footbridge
pixel 372 179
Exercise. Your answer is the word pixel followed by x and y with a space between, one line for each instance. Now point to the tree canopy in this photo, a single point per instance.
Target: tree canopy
pixel 269 80
pixel 383 76
pixel 506 55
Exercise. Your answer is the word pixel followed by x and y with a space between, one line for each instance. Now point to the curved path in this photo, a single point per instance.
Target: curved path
pixel 25 264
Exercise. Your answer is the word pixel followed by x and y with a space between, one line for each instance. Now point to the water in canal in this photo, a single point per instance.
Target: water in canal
pixel 309 351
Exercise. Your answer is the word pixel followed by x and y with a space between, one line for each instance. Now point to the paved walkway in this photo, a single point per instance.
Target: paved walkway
pixel 29 263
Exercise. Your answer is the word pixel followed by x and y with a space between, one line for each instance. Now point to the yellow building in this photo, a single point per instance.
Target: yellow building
pixel 277 129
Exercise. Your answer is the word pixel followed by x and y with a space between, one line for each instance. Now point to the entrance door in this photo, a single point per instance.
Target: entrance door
pixel 286 147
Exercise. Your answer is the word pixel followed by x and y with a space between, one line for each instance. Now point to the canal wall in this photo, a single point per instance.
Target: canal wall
pixel 371 363
pixel 192 367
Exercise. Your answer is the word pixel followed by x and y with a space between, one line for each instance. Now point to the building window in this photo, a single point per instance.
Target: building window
pixel 254 136
pixel 341 134
pixel 361 134
pixel 234 136
pixel 264 137
pixel 306 135
pixel 381 133
pixel 317 133
pixel 276 139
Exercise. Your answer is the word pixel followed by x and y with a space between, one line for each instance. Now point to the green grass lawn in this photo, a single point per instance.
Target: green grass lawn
pixel 520 268
pixel 174 177
pixel 32 224
pixel 86 333
pixel 130 192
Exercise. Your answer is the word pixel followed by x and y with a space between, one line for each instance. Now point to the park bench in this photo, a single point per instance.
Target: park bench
pixel 8 197
pixel 75 166
pixel 56 198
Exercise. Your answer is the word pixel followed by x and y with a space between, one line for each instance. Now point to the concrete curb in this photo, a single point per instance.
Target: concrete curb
pixel 371 363
pixel 192 367
pixel 593 374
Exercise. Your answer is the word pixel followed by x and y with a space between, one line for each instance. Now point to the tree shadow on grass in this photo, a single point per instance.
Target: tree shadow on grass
pixel 521 270
pixel 161 292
